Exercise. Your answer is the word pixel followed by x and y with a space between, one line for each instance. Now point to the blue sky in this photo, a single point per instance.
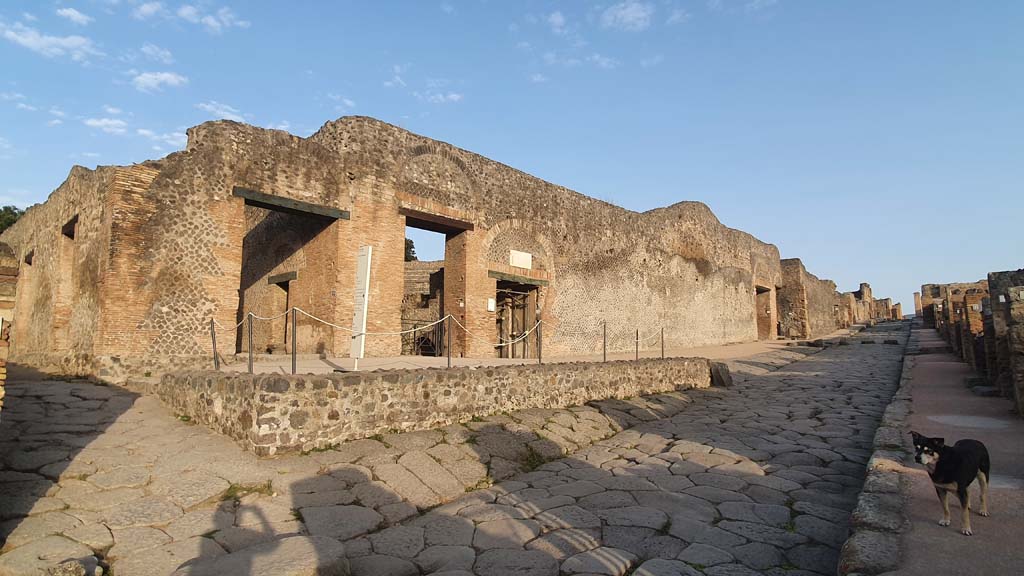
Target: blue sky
pixel 878 141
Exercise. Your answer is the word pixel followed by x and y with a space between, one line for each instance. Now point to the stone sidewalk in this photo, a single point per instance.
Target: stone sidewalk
pixel 701 481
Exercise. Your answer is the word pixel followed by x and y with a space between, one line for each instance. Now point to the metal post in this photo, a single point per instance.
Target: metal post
pixel 294 358
pixel 213 337
pixel 540 345
pixel 662 342
pixel 636 355
pixel 448 329
pixel 249 318
pixel 604 341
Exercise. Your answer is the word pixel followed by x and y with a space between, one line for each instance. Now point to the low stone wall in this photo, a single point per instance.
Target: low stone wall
pixel 268 413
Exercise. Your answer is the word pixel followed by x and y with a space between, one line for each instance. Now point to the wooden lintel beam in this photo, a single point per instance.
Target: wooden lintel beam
pixel 288 205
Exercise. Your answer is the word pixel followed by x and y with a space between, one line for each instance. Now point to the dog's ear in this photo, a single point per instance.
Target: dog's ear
pixel 940 442
pixel 915 436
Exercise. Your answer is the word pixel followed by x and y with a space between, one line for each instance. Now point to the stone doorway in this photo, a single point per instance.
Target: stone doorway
pixel 764 311
pixel 515 315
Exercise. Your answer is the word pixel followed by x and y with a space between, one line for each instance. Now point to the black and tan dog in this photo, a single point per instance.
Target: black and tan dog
pixel 953 469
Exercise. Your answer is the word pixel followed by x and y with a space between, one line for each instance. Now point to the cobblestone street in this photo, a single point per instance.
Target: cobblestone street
pixel 759 478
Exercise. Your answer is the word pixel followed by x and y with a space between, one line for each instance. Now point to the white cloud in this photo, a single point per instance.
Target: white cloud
pixel 176 140
pixel 108 125
pixel 5 144
pixel 214 23
pixel 396 77
pixel 553 59
pixel 57 112
pixel 154 52
pixel 447 8
pixel 343 102
pixel 219 110
pixel 602 61
pixel 29 17
pixel 149 10
pixel 155 81
pixel 538 78
pixel 26 107
pixel 111 110
pixel 283 125
pixel 678 16
pixel 79 48
pixel 438 97
pixel 631 16
pixel 9 96
pixel 556 21
pixel 74 16
pixel 55 122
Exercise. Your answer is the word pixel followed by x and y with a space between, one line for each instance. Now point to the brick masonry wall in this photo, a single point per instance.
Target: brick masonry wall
pixel 274 413
pixel 161 245
pixel 1015 344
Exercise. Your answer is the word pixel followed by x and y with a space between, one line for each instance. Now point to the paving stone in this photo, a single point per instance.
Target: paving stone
pixel 773 515
pixel 378 565
pixel 199 523
pixel 678 505
pixel 488 512
pixel 577 489
pixel 445 558
pixel 340 522
pixel 824 560
pixel 833 515
pixel 637 516
pixel 561 544
pixel 131 540
pixel 394 513
pixel 436 477
pixel 255 510
pixel 663 567
pixel 236 538
pixel 441 530
pixel 758 555
pixel 722 481
pixel 775 482
pixel 407 485
pixel 166 559
pixel 19 532
pixel 717 495
pixel 400 541
pixel 821 530
pixel 762 533
pixel 567 517
pixel 603 560
pixel 375 494
pixel 125 477
pixel 34 557
pixel 26 461
pixel 505 533
pixel 148 511
pixel 731 570
pixel 95 536
pixel 705 555
pixel 295 556
pixel 508 562
pixel 694 531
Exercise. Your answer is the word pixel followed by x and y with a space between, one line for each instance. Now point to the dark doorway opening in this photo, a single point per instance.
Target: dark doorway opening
pixel 763 312
pixel 515 316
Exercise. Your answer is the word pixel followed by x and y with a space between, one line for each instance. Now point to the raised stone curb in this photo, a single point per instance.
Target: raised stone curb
pixel 880 519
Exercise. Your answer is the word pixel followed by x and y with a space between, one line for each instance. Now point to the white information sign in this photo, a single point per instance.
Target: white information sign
pixel 362 300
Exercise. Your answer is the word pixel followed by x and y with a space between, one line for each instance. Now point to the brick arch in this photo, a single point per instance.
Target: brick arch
pixel 437 173
pixel 515 234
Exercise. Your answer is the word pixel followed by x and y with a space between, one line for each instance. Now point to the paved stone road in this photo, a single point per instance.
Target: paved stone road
pixel 758 478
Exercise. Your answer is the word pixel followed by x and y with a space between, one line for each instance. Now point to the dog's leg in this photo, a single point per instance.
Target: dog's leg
pixel 965 510
pixel 944 498
pixel 983 482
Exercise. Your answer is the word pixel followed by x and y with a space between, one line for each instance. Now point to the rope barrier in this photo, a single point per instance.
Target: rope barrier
pixel 504 343
pixel 650 338
pixel 354 333
pixel 258 317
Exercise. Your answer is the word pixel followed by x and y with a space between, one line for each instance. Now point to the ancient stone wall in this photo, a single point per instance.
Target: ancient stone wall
pixel 1015 344
pixel 809 307
pixel 271 413
pixel 162 248
pixel 1000 285
pixel 8 291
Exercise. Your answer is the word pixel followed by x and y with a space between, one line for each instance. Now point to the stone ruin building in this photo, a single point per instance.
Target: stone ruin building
pixel 983 322
pixel 122 269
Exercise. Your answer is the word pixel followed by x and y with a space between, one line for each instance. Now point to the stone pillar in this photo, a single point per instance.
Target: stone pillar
pixel 917 305
pixel 466 290
pixel 1015 337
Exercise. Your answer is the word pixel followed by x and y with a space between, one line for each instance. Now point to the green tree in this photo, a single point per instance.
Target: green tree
pixel 410 251
pixel 10 214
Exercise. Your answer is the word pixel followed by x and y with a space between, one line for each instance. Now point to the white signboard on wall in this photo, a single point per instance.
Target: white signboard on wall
pixel 520 259
pixel 362 300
